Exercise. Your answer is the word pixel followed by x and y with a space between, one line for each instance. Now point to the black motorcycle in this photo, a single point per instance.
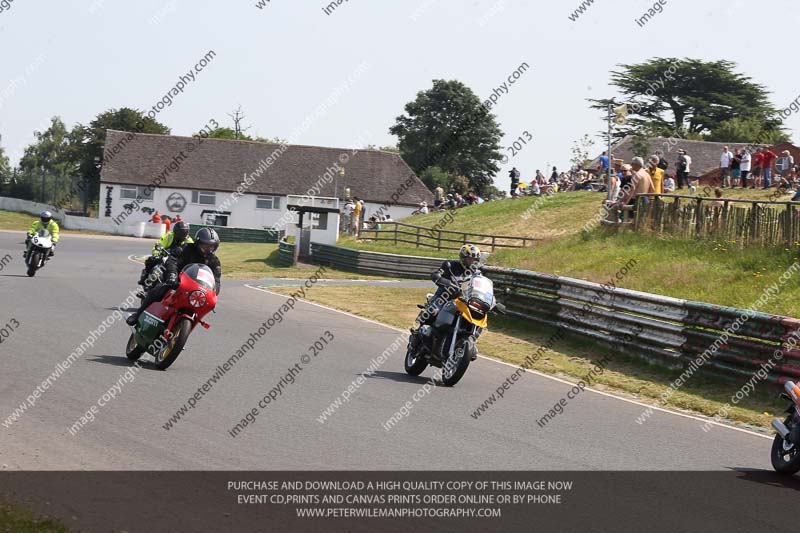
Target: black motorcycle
pixel 785 447
pixel 449 343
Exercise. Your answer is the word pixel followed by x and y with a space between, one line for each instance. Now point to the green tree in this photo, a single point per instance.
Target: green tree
pixel 447 127
pixel 434 177
pixel 87 142
pixel 746 130
pixel 47 162
pixel 227 133
pixel 686 97
pixel 581 151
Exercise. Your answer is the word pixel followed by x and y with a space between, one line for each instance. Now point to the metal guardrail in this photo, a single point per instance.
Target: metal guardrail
pixel 667 331
pixel 377 263
pixel 285 253
pixel 230 234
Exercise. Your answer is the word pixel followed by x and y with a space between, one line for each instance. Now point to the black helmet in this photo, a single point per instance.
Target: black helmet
pixel 181 231
pixel 46 217
pixel 207 240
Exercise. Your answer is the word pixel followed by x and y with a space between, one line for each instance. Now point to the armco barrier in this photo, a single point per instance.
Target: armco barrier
pixel 377 263
pixel 668 331
pixel 285 253
pixel 229 234
pixel 661 329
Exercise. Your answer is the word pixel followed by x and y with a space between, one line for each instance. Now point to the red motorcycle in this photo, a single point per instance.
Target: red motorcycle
pixel 164 327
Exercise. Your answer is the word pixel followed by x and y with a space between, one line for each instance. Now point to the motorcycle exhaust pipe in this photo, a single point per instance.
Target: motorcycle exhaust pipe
pixel 780 427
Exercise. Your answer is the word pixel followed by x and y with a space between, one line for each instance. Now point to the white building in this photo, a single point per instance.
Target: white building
pixel 245 184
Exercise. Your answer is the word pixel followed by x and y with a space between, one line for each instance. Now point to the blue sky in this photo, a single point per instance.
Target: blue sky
pixel 77 58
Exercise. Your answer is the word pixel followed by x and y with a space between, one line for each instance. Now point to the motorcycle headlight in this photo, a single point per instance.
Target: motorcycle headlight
pixel 478 308
pixel 197 299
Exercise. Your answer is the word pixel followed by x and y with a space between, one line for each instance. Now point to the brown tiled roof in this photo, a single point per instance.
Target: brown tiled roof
pixel 705 155
pixel 220 165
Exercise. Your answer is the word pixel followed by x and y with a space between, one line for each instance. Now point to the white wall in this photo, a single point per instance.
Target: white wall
pixel 138 229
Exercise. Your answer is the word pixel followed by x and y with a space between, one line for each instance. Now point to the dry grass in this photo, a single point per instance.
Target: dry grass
pixel 508 341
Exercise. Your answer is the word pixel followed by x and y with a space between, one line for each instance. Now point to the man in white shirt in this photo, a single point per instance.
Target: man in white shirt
pixel 744 166
pixel 725 161
pixel 347 215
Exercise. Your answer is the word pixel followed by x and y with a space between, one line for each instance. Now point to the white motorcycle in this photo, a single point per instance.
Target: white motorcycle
pixel 41 244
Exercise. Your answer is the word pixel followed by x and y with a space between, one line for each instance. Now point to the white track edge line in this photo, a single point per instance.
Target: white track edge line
pixel 547 376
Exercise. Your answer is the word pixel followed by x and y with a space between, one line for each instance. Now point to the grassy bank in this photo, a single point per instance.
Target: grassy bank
pixel 573 358
pixel 711 271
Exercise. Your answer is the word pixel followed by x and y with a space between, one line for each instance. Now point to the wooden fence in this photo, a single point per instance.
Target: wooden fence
pixel 740 222
pixel 440 239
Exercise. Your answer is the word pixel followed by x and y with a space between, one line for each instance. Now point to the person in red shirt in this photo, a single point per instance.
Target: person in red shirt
pixel 167 221
pixel 758 161
pixel 769 162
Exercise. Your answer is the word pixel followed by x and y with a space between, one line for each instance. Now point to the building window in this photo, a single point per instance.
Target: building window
pixel 129 192
pixel 204 198
pixel 268 202
pixel 319 221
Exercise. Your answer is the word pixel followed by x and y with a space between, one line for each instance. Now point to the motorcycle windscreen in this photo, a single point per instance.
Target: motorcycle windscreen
pixel 482 288
pixel 202 274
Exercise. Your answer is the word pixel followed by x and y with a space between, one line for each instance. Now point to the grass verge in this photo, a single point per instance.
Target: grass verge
pixel 512 341
pixel 19 520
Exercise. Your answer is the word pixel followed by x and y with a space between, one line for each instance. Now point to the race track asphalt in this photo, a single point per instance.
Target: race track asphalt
pixel 91 276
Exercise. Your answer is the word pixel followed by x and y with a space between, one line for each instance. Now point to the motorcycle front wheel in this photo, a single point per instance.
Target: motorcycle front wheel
pixel 167 355
pixel 33 263
pixel 133 351
pixel 455 367
pixel 785 456
pixel 414 364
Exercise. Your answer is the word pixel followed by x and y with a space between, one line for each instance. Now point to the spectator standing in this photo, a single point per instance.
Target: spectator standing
pixel 358 209
pixel 640 184
pixel 438 193
pixel 165 219
pixel 178 219
pixel 785 163
pixel 745 166
pixel 514 174
pixel 347 215
pixel 736 171
pixel 554 176
pixel 602 166
pixel 540 177
pixel 767 166
pixel 682 168
pixel 656 174
pixel 758 162
pixel 156 218
pixel 725 161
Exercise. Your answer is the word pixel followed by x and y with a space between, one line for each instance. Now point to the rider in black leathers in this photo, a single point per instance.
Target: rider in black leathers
pixel 448 279
pixel 202 250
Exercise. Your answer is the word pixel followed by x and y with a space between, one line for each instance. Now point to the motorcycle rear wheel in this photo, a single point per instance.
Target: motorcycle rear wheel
pixel 167 355
pixel 778 456
pixel 33 263
pixel 413 364
pixel 133 351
